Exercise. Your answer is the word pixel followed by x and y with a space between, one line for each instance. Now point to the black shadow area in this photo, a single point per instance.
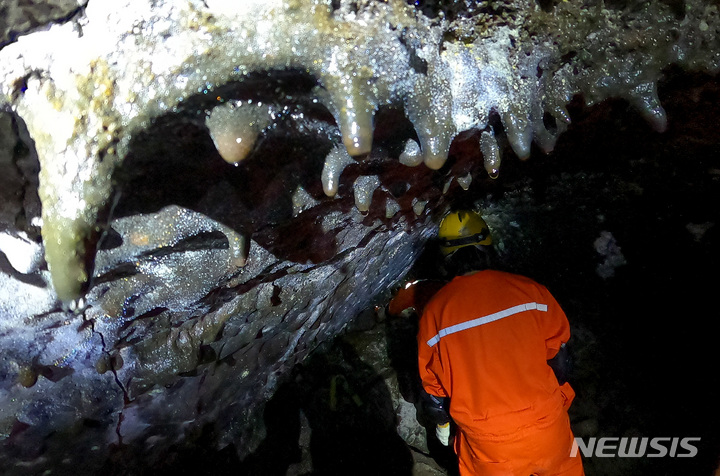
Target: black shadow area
pixel 351 416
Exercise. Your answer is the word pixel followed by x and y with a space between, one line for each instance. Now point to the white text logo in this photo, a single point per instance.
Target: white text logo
pixel 635 447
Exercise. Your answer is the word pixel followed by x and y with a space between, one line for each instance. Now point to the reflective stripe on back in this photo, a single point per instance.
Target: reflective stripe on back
pixel 531 306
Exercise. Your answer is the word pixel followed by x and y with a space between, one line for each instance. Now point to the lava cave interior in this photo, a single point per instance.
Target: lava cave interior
pixel 644 342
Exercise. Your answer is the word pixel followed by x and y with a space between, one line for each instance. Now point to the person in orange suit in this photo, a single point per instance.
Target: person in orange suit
pixel 485 342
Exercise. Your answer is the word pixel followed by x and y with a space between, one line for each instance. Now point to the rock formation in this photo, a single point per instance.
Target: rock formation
pixel 196 193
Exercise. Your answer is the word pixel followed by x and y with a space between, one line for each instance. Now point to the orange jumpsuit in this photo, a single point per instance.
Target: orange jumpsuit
pixel 484 341
pixel 414 295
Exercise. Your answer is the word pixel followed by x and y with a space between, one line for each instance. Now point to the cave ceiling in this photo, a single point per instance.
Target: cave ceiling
pixel 196 194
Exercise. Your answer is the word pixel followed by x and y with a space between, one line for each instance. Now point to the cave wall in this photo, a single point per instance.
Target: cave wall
pixel 156 288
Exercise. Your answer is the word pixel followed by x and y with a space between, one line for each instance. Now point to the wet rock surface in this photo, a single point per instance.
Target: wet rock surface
pixel 154 377
pixel 213 282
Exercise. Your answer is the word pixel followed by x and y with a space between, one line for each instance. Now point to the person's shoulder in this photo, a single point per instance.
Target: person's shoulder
pixel 443 292
pixel 485 278
pixel 512 278
pixel 496 274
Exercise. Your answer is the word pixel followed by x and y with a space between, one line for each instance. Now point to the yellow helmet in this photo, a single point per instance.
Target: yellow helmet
pixel 462 228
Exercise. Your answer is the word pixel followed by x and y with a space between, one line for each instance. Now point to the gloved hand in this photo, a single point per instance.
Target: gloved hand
pixel 443 433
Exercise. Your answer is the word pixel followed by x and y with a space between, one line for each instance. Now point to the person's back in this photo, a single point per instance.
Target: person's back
pixel 492 333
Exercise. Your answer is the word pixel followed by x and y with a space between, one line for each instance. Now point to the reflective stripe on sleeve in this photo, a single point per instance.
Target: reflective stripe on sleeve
pixel 530 306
